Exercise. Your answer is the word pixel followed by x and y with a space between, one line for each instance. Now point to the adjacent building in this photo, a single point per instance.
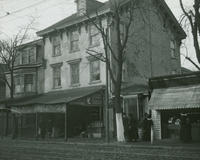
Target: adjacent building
pixel 175 105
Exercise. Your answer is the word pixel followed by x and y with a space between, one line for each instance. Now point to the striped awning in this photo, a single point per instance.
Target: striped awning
pixel 182 97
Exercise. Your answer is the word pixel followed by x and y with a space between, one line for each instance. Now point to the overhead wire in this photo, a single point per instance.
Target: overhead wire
pixel 22 9
pixel 45 10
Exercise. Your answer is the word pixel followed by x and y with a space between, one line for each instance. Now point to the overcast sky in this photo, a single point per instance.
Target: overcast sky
pixel 16 14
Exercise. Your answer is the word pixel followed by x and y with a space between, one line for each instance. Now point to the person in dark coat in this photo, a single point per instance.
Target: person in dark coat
pixel 125 123
pixel 145 128
pixel 42 126
pixel 188 136
pixel 132 129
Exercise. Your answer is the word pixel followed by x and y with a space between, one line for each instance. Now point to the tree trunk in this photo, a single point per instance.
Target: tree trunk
pixel 119 120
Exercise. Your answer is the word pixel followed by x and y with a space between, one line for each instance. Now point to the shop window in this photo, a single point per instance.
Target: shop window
pixel 28 83
pixel 56 46
pixel 74 41
pixel 94 36
pixel 74 73
pixel 56 76
pixel 95 70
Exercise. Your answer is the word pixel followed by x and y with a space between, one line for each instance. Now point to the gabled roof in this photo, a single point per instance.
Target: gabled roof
pixel 75 18
pixel 101 9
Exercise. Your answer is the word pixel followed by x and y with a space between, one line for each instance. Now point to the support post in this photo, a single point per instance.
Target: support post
pixel 107 107
pixel 66 137
pixel 36 125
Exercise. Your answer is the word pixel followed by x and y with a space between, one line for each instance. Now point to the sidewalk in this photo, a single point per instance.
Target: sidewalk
pixel 161 144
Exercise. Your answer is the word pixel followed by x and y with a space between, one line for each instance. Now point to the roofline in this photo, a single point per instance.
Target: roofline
pixel 162 2
pixel 92 15
pixel 182 32
pixel 176 76
pixel 30 43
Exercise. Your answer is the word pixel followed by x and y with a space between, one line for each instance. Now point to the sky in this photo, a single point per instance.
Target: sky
pixel 17 14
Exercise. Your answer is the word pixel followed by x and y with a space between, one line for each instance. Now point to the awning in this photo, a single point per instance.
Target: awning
pixel 182 97
pixel 59 97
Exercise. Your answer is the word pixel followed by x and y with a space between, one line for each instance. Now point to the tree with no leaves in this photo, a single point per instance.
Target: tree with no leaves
pixel 8 55
pixel 192 15
pixel 119 22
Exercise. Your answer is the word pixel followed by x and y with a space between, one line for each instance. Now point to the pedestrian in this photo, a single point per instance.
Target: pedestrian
pixel 125 123
pixel 132 129
pixel 42 127
pixel 145 128
pixel 188 136
pixel 135 129
pixel 49 128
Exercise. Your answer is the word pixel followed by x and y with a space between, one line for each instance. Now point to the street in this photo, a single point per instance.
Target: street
pixel 44 150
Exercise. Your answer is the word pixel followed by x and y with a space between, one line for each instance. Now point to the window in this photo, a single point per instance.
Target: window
pixel 28 56
pixel 31 56
pixel 56 46
pixel 74 73
pixel 17 84
pixel 172 48
pixel 74 43
pixel 25 57
pixel 94 70
pixel 17 60
pixel 57 76
pixel 28 83
pixel 174 72
pixel 94 35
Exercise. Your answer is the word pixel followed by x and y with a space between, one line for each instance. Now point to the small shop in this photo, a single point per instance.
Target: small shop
pixel 175 107
pixel 62 114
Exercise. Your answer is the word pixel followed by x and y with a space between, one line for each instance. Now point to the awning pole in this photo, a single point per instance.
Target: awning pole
pixel 36 124
pixel 66 122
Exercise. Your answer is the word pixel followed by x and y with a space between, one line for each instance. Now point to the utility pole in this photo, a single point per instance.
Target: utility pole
pixel 107 106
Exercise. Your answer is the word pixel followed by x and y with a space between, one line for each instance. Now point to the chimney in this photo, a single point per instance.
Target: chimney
pixel 81 6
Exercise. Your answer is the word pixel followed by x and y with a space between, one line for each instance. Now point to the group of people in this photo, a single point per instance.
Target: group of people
pixel 131 127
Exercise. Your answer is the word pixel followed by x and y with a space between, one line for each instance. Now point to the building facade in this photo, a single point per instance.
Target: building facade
pixel 74 81
pixel 175 107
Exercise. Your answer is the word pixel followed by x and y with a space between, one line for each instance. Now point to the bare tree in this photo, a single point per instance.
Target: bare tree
pixel 119 24
pixel 192 15
pixel 8 56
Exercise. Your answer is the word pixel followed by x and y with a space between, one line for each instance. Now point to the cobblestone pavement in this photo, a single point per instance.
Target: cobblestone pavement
pixel 44 150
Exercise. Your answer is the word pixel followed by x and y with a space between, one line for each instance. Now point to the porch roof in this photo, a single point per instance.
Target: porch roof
pixel 57 97
pixel 181 97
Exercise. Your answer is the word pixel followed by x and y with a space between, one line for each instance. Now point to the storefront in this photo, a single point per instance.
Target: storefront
pixel 176 112
pixel 62 114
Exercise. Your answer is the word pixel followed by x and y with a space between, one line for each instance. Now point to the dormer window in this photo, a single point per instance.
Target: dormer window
pixel 56 46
